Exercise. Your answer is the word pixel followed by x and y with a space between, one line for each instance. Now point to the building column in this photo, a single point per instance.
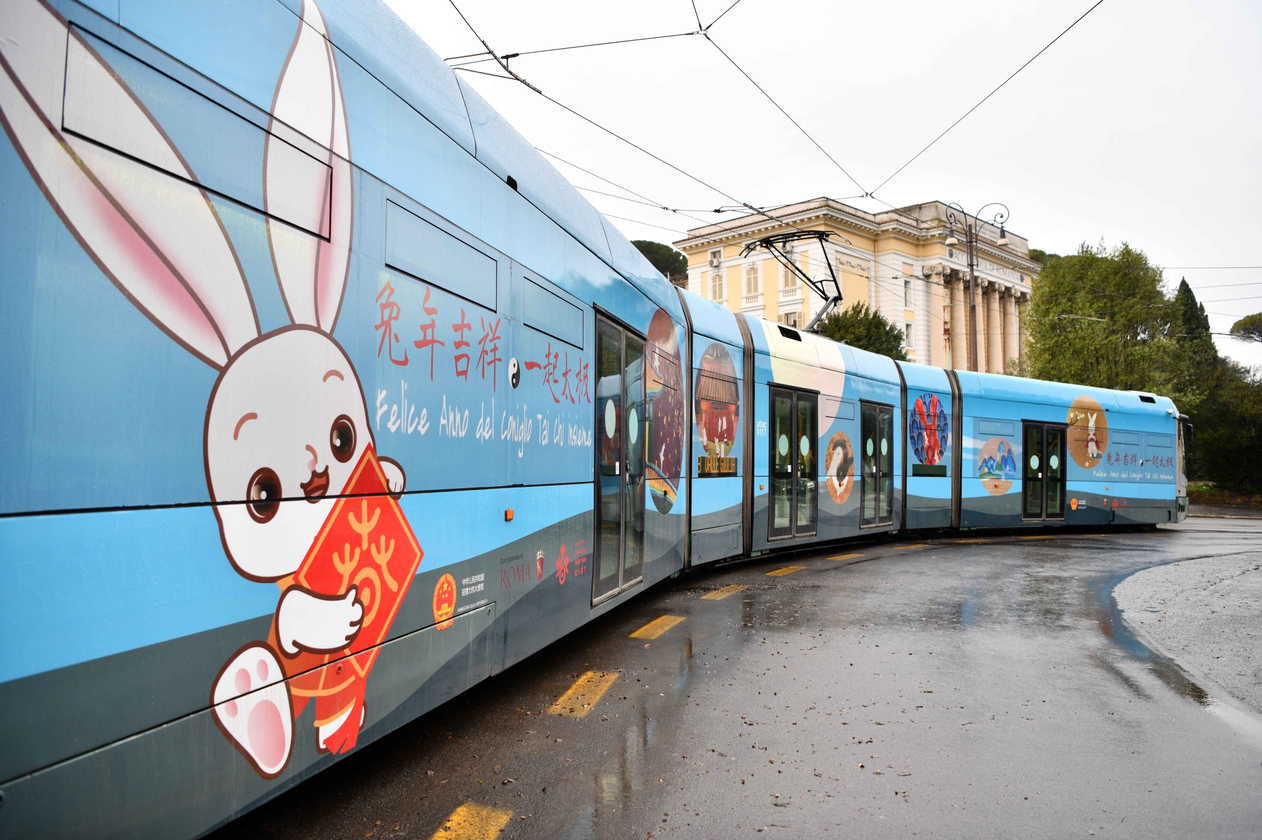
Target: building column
pixel 959 323
pixel 1011 346
pixel 1021 300
pixel 982 358
pixel 994 330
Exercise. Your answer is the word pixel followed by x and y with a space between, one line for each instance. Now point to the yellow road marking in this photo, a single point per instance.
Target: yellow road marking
pixel 584 694
pixel 845 556
pixel 1039 537
pixel 473 822
pixel 657 627
pixel 917 545
pixel 720 594
pixel 787 570
pixel 972 541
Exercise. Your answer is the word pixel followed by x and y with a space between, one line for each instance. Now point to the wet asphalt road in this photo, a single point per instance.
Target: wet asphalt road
pixel 983 686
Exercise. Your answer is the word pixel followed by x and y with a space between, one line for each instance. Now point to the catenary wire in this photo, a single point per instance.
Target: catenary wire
pixel 645 203
pixel 519 53
pixel 611 132
pixel 787 115
pixel 987 96
pixel 720 17
pixel 756 210
pixel 638 222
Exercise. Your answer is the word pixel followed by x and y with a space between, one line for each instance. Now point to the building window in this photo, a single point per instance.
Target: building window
pixel 907 330
pixel 716 257
pixel 787 278
pixel 753 279
pixel 907 295
pixel 716 287
pixel 790 319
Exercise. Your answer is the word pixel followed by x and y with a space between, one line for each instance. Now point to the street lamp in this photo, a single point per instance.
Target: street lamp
pixel 970 225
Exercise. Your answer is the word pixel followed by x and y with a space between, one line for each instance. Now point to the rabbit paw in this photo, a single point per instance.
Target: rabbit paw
pixel 395 477
pixel 317 623
pixel 252 707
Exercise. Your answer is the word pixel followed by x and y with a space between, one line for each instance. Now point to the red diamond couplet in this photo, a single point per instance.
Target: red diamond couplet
pixel 367 543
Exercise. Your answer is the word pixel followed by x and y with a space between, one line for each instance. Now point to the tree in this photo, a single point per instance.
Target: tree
pixel 866 329
pixel 665 259
pixel 1099 317
pixel 1195 358
pixel 1042 257
pixel 1227 443
pixel 1249 327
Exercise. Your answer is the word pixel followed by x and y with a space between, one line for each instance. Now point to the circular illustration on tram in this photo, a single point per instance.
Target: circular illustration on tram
pixel 664 390
pixel 997 466
pixel 928 428
pixel 1088 432
pixel 839 460
pixel 717 410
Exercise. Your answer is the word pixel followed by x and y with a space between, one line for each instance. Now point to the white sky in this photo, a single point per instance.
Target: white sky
pixel 1143 124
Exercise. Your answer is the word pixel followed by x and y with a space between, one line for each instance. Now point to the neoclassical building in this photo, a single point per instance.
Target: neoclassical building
pixel 897 261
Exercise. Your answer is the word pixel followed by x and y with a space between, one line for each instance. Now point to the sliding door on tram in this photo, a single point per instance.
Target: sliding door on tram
pixel 877 431
pixel 1043 474
pixel 794 464
pixel 620 472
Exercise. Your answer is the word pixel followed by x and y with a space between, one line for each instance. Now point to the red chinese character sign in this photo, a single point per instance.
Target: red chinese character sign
pixel 367 547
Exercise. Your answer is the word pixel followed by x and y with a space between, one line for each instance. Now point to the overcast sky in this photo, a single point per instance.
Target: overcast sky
pixel 1143 124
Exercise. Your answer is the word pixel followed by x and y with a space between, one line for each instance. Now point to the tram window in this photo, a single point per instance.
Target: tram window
pixel 433 256
pixel 552 315
pixel 223 142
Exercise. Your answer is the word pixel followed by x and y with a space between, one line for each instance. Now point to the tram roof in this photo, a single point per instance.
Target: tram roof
pixel 374 37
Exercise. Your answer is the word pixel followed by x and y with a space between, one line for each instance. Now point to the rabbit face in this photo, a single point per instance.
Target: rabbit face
pixel 287 420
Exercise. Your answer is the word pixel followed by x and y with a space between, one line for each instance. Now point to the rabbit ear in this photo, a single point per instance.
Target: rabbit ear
pixel 307 107
pixel 158 238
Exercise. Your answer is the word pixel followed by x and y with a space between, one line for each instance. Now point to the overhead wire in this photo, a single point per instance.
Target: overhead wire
pixel 654 205
pixel 745 205
pixel 720 17
pixel 986 97
pixel 702 30
pixel 787 115
pixel 520 53
pixel 646 224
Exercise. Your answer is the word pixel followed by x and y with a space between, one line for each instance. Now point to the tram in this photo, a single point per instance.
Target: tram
pixel 327 398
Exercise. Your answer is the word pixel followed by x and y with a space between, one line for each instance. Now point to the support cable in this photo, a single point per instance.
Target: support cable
pixel 788 116
pixel 987 96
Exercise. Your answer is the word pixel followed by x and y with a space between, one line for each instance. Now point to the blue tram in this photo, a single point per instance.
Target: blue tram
pixel 327 398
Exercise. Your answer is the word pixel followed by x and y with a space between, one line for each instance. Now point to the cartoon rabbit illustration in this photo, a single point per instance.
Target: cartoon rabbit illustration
pixel 286 419
pixel 1093 442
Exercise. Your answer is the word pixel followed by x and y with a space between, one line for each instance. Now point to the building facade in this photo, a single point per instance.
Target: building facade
pixel 896 261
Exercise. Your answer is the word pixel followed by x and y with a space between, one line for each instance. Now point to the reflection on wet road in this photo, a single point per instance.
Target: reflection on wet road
pixel 985 687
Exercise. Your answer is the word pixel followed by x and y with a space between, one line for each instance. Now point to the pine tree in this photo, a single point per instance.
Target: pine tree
pixel 1195 360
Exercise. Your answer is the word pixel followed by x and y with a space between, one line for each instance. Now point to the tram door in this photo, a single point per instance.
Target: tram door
pixel 1043 485
pixel 878 465
pixel 620 473
pixel 794 465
